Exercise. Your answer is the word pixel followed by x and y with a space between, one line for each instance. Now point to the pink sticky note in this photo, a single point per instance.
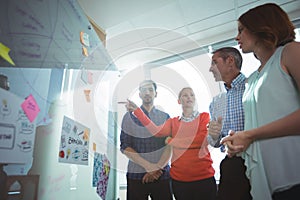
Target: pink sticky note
pixel 30 108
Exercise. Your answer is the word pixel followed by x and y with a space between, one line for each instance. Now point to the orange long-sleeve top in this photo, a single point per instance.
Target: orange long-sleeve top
pixel 191 160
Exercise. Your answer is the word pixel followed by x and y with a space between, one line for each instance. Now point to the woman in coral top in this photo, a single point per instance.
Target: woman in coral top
pixel 191 164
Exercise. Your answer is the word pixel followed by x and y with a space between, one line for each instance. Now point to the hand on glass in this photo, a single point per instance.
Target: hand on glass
pixel 214 128
pixel 130 106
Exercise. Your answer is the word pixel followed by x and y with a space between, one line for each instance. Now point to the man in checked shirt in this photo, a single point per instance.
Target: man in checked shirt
pixel 148 168
pixel 227 114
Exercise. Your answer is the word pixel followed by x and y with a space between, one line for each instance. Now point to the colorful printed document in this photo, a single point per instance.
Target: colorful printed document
pixel 101 174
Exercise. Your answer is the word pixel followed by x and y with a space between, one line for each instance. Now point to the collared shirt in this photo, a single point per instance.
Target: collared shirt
pixel 136 136
pixel 195 114
pixel 229 106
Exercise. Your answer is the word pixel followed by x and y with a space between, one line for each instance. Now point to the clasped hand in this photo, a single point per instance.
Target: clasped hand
pixel 153 173
pixel 235 142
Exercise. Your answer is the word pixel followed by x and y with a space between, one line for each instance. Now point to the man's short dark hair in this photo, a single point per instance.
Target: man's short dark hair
pixel 145 82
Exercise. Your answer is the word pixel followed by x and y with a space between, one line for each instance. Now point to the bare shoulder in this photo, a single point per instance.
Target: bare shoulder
pixel 291 48
pixel 290 54
pixel 291 60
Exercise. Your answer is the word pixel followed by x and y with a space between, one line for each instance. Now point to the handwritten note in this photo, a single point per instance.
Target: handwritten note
pixel 4 50
pixel 30 108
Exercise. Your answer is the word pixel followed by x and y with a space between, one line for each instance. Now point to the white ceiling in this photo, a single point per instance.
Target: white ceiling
pixel 140 31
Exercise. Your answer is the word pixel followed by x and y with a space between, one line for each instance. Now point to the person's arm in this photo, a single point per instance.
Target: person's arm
pixel 136 158
pixel 241 140
pixel 152 176
pixel 192 142
pixel 158 131
pixel 214 132
pixel 132 154
pixel 165 157
pixel 216 109
pixel 183 143
pixel 286 126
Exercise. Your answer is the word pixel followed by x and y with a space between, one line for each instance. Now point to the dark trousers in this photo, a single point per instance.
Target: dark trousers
pixel 158 190
pixel 205 189
pixel 289 194
pixel 234 184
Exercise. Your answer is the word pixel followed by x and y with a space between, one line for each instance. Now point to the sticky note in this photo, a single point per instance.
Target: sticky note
pixel 87 95
pixel 84 39
pixel 4 50
pixel 86 135
pixel 94 146
pixel 85 52
pixel 30 108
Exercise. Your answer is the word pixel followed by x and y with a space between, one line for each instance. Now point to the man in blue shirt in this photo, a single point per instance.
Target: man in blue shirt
pixel 148 169
pixel 226 110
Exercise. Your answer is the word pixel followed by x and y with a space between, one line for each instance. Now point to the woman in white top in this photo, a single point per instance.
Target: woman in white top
pixel 271 140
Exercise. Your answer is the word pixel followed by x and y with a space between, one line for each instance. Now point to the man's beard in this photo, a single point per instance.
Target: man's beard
pixel 148 100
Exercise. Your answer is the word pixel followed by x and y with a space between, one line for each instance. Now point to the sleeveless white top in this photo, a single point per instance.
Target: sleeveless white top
pixel 272 164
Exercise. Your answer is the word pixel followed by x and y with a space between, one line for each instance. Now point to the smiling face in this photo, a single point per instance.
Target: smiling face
pixel 187 98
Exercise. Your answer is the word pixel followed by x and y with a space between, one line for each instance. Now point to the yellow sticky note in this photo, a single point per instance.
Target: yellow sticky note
pixel 85 51
pixel 94 146
pixel 84 39
pixel 4 50
pixel 86 135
